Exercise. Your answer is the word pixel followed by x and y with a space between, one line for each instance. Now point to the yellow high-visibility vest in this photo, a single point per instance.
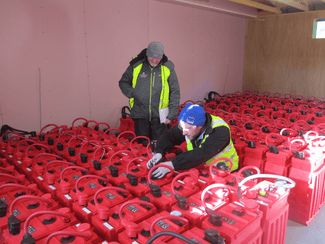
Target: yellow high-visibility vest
pixel 228 152
pixel 164 95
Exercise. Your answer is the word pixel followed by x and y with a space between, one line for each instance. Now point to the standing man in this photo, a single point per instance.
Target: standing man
pixel 151 84
pixel 207 137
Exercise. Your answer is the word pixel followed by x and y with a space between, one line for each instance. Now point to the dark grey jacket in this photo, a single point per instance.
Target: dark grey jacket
pixel 146 100
pixel 218 139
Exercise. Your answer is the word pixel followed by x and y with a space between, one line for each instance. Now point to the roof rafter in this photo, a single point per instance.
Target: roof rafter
pixel 292 3
pixel 258 5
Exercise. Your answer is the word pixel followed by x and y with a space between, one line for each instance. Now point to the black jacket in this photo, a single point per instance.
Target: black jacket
pixel 218 138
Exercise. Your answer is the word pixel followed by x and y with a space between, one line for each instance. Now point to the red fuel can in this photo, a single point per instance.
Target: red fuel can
pixel 167 195
pixel 110 138
pixel 307 158
pixel 308 195
pixel 48 181
pixel 120 159
pixel 23 206
pixel 85 208
pixel 8 178
pixel 236 223
pixel 77 128
pixel 39 225
pixel 96 133
pixel 205 179
pixel 197 235
pixel 86 129
pixel 84 187
pixel 144 230
pixel 139 149
pixel 278 159
pixel 142 187
pixel 8 148
pixel 255 154
pixel 232 181
pixel 9 170
pixel 3 161
pixel 81 233
pixel 108 225
pixel 16 155
pixel 40 161
pixel 101 160
pixel 61 143
pixel 31 152
pixel 8 193
pixel 123 140
pixel 273 202
pixel 194 207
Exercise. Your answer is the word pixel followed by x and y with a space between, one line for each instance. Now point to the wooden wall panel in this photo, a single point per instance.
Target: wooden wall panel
pixel 281 55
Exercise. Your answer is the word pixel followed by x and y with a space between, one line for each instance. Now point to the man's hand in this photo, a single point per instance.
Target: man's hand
pixel 154 160
pixel 167 122
pixel 162 171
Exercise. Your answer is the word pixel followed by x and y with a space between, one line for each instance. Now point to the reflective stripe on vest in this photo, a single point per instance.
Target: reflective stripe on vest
pixel 228 152
pixel 164 95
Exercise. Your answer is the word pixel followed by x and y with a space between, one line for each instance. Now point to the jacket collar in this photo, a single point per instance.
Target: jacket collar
pixel 208 123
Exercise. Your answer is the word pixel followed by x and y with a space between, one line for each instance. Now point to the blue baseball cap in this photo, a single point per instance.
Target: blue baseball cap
pixel 192 114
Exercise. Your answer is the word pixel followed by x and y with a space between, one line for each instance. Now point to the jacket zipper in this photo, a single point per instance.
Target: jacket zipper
pixel 151 81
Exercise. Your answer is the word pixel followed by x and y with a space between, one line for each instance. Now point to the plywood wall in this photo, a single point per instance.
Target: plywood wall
pixel 61 60
pixel 282 57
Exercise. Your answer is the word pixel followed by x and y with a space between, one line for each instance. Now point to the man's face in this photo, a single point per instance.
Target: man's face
pixel 191 131
pixel 153 61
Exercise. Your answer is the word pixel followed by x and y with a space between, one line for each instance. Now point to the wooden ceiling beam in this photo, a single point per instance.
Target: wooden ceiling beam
pixel 294 4
pixel 226 7
pixel 257 5
pixel 278 4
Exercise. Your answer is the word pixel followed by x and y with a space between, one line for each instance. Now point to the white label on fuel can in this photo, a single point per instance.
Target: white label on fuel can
pixel 16 212
pixel 40 178
pixel 10 156
pixel 52 187
pixel 28 169
pixel 3 150
pixel 19 162
pixel 67 196
pixel 263 203
pixel 195 241
pixel 163 224
pixel 108 226
pixel 31 229
pixel 168 194
pixel 86 210
pixel 4 199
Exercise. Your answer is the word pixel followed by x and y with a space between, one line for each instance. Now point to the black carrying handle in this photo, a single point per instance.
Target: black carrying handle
pixel 125 114
pixel 211 96
pixel 6 128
